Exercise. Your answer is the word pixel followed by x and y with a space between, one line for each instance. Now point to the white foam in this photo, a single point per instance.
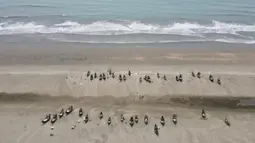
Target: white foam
pixel 228 40
pixel 132 27
pixel 20 28
pixel 104 27
pixel 126 42
pixel 68 23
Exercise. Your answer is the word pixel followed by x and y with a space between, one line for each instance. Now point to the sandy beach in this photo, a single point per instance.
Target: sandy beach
pixel 36 82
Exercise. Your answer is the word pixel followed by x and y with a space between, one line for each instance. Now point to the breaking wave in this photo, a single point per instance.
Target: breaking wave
pixel 134 27
pixel 104 27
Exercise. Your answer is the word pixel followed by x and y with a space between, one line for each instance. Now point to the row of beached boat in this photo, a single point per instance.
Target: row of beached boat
pixel 146 78
pixel 55 117
pixel 132 121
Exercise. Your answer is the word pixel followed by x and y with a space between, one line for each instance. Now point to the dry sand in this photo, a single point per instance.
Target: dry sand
pixel 21 123
pixel 35 82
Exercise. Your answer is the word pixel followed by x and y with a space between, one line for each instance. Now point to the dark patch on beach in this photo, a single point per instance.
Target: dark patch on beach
pixel 167 100
pixel 30 97
pixel 208 101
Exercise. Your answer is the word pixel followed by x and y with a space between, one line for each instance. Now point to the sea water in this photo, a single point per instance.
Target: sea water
pixel 130 21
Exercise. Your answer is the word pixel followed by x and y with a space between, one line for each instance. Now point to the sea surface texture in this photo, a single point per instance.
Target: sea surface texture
pixel 130 21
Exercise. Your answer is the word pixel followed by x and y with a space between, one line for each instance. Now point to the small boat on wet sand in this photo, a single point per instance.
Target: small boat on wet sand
pixel 203 115
pixel 156 130
pixel 211 78
pixel 136 119
pixel 162 121
pixel 80 112
pixel 193 74
pixel 129 73
pixel 54 118
pixel 46 119
pixel 61 114
pixel 164 77
pixel 227 122
pixel 69 110
pixel 122 118
pixel 124 78
pixel 101 115
pixel 199 75
pixel 109 121
pixel 174 119
pixel 88 73
pixel 131 123
pixel 218 81
pixel 86 118
pixel 180 78
pixel 146 120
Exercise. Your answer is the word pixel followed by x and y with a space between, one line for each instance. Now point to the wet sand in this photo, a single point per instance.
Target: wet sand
pixel 35 82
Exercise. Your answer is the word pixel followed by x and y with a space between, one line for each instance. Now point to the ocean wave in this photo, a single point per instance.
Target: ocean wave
pixel 120 31
pixel 127 27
